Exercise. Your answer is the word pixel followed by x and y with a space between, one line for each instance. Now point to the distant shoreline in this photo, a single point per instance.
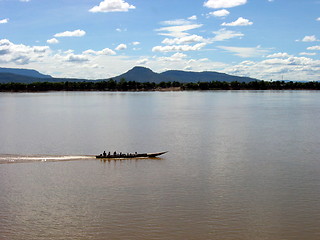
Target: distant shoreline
pixel 132 86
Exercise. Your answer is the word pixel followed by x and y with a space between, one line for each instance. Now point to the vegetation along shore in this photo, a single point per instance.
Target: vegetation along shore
pixel 123 85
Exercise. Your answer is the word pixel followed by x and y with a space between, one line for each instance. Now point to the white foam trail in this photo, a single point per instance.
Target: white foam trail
pixel 40 158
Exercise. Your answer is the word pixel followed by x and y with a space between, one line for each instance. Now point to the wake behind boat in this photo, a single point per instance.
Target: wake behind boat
pixel 129 155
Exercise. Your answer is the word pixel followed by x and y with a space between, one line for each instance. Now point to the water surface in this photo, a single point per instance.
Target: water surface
pixel 241 165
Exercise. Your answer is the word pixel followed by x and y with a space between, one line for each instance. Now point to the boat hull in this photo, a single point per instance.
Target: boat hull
pixel 137 155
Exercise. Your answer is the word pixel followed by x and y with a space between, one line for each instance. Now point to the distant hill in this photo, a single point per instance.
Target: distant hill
pixel 186 77
pixel 24 72
pixel 142 74
pixel 137 74
pixel 16 78
pixel 10 77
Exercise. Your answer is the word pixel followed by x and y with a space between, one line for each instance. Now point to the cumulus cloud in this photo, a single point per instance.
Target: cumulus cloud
pixel 318 19
pixel 291 68
pixel 53 41
pixel 194 17
pixel 76 58
pixel 224 3
pixel 279 55
pixel 75 33
pixel 121 30
pixel 21 54
pixel 121 47
pixel 183 40
pixel 314 48
pixel 143 61
pixel 239 22
pixel 219 13
pixel 245 52
pixel 224 34
pixel 105 51
pixel 175 57
pixel 178 48
pixel 177 31
pixel 175 22
pixel 3 21
pixel 112 6
pixel 307 54
pixel 310 39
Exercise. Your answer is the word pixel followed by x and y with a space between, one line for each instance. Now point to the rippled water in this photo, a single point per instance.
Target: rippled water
pixel 241 165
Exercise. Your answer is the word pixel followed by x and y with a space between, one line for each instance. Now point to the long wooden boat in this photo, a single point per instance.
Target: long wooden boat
pixel 130 155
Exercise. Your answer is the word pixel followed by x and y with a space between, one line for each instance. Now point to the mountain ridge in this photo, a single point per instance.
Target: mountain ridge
pixel 24 72
pixel 137 74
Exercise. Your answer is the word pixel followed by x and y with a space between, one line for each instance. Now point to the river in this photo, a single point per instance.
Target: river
pixel 241 165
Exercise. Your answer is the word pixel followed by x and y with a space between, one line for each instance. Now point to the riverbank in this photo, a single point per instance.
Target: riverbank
pixel 112 85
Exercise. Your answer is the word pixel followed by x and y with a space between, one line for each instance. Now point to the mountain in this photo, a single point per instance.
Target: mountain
pixel 10 77
pixel 186 77
pixel 142 74
pixel 137 74
pixel 24 72
pixel 16 78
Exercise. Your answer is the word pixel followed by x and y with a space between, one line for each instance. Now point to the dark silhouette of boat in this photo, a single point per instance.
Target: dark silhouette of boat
pixel 129 155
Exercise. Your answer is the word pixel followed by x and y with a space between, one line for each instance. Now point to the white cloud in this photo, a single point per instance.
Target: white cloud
pixel 220 13
pixel 175 57
pixel 292 68
pixel 175 22
pixel 24 0
pixel 112 6
pixel 314 48
pixel 310 39
pixel 307 54
pixel 105 51
pixel 279 55
pixel 194 17
pixel 183 40
pixel 224 34
pixel 121 30
pixel 21 54
pixel 178 48
pixel 143 61
pixel 53 41
pixel 135 43
pixel 76 58
pixel 245 52
pixel 177 31
pixel 121 47
pixel 239 22
pixel 224 3
pixel 75 33
pixel 3 21
pixel 318 19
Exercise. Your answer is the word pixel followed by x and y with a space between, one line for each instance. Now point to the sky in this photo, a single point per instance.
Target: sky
pixel 100 39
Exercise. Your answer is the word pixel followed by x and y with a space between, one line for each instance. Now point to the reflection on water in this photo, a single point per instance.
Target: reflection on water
pixel 241 165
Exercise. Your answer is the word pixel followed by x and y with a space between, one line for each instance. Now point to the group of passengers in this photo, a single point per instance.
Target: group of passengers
pixel 115 154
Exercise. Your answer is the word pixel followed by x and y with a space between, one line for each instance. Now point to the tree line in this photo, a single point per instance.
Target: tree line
pixel 123 85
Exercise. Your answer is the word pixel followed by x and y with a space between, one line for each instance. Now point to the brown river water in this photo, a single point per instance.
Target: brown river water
pixel 241 165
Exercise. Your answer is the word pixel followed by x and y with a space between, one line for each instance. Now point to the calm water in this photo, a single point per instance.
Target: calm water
pixel 241 165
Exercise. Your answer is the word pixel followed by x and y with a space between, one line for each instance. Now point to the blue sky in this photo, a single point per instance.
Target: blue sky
pixel 265 39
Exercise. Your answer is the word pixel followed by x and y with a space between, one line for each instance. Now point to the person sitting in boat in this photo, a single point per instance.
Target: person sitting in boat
pixel 104 153
pixel 109 154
